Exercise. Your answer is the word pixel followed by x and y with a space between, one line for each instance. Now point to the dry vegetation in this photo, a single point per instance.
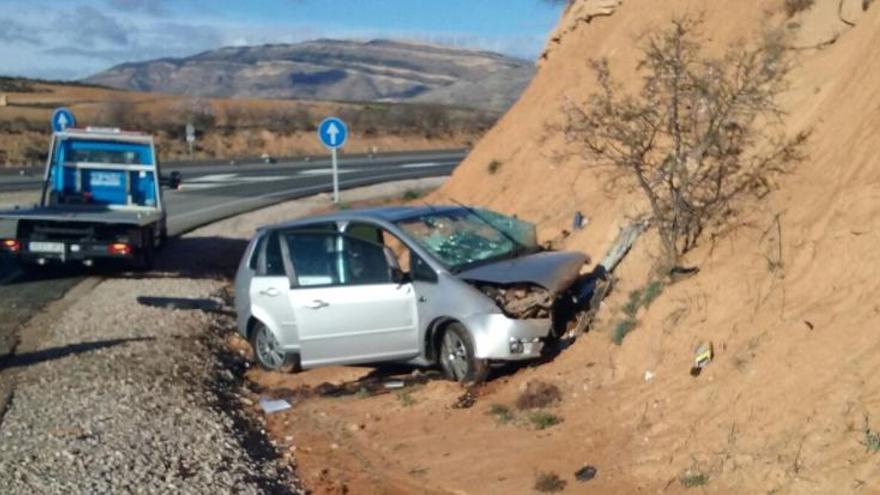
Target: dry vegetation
pixel 226 128
pixel 702 133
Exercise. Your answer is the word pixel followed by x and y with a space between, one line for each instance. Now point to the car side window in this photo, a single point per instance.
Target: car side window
pixel 324 259
pixel 274 266
pixel 254 262
pixel 421 270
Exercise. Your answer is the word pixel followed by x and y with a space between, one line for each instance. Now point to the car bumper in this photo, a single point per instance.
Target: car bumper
pixel 498 337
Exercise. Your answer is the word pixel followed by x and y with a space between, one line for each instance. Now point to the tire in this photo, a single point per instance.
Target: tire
pixel 268 352
pixel 144 260
pixel 457 356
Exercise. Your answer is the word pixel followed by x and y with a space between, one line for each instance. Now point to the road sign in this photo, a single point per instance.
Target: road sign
pixel 62 118
pixel 190 133
pixel 333 133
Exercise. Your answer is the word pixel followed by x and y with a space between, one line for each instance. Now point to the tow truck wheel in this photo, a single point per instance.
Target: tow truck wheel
pixel 269 353
pixel 458 356
pixel 144 259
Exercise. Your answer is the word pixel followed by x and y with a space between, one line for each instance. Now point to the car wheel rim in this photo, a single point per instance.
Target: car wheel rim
pixel 455 355
pixel 268 349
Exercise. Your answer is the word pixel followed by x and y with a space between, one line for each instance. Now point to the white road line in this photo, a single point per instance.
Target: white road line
pixel 421 165
pixel 324 171
pixel 226 180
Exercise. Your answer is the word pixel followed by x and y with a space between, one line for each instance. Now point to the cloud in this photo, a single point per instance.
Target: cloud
pixel 90 27
pixel 12 31
pixel 151 7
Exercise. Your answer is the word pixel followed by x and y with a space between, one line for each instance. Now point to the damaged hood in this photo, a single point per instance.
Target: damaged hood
pixel 552 270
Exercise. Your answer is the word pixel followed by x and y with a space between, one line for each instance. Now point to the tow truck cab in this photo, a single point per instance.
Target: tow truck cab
pixel 101 198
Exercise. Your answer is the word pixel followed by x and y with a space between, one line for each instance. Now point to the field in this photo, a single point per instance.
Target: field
pixel 225 128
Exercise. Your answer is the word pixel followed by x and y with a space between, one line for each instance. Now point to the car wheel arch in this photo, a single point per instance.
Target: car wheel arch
pixel 434 334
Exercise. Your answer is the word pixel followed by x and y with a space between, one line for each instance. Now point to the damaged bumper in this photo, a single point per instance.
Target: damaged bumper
pixel 498 337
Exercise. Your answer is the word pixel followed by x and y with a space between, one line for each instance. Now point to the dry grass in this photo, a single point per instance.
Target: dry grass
pixel 538 395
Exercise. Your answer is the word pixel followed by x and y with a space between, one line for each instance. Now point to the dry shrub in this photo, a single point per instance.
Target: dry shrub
pixel 792 7
pixel 538 395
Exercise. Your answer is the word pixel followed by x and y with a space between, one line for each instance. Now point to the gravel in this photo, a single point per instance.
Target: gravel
pixel 122 397
pixel 112 395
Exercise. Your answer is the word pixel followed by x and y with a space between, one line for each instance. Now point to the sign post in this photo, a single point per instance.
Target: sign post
pixel 62 118
pixel 190 137
pixel 333 133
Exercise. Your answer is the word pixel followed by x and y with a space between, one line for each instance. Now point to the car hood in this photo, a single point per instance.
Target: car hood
pixel 552 270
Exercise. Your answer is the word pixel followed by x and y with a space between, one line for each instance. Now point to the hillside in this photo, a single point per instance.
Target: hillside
pixel 377 70
pixel 790 399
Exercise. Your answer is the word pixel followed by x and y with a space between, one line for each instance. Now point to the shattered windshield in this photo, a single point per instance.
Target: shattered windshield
pixel 465 237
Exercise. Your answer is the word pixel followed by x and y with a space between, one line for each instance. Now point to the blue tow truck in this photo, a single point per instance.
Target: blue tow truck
pixel 101 199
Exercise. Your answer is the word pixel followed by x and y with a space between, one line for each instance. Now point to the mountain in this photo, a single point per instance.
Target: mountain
pixel 378 70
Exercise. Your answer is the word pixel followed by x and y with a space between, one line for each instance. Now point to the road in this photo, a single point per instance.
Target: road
pixel 19 179
pixel 210 193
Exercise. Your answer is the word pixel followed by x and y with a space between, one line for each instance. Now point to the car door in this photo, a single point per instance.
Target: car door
pixel 268 293
pixel 347 305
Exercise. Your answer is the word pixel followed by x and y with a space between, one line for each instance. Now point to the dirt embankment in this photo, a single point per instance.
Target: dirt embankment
pixel 787 297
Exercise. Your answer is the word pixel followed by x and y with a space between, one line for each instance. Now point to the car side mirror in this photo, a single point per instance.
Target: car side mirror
pixel 172 181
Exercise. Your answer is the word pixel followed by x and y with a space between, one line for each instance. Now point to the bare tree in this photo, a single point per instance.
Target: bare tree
pixel 701 133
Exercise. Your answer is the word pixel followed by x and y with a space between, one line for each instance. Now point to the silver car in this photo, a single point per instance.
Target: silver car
pixel 448 285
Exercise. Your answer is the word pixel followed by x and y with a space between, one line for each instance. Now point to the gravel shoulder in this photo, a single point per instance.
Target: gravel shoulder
pixel 111 391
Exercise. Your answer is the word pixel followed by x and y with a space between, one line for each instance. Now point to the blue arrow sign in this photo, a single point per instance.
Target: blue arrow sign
pixel 62 118
pixel 333 132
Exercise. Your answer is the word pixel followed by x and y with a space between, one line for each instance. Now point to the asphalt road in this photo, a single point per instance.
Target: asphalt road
pixel 209 193
pixel 19 179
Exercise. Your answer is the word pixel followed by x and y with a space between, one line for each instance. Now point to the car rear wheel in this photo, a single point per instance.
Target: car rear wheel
pixel 269 353
pixel 458 356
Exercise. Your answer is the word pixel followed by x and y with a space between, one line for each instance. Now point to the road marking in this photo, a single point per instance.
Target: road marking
pixel 422 165
pixel 324 171
pixel 226 180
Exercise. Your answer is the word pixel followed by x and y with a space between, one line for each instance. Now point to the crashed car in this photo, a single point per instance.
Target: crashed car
pixel 452 286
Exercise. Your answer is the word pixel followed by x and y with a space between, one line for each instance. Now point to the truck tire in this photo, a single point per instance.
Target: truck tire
pixel 458 356
pixel 144 259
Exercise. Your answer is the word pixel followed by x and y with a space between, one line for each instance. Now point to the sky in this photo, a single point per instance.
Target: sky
pixel 55 39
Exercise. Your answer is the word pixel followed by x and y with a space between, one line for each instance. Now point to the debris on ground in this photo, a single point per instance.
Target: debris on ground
pixel 585 473
pixel 466 400
pixel 622 245
pixel 702 357
pixel 271 406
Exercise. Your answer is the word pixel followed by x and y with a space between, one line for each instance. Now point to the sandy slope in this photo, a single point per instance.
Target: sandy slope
pixel 784 404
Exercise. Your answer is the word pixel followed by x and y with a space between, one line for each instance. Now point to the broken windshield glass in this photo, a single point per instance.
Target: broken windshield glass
pixel 461 238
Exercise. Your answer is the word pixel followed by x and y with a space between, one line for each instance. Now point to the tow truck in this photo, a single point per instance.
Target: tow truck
pixel 101 199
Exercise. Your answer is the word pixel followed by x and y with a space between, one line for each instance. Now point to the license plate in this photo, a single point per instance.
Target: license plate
pixel 46 247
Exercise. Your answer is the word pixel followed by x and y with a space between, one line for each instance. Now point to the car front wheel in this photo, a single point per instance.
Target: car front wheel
pixel 458 356
pixel 269 353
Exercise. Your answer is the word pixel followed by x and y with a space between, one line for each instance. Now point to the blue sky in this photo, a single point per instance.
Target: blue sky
pixel 72 39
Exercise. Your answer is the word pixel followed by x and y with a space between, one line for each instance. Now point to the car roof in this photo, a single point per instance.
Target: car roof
pixel 389 214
